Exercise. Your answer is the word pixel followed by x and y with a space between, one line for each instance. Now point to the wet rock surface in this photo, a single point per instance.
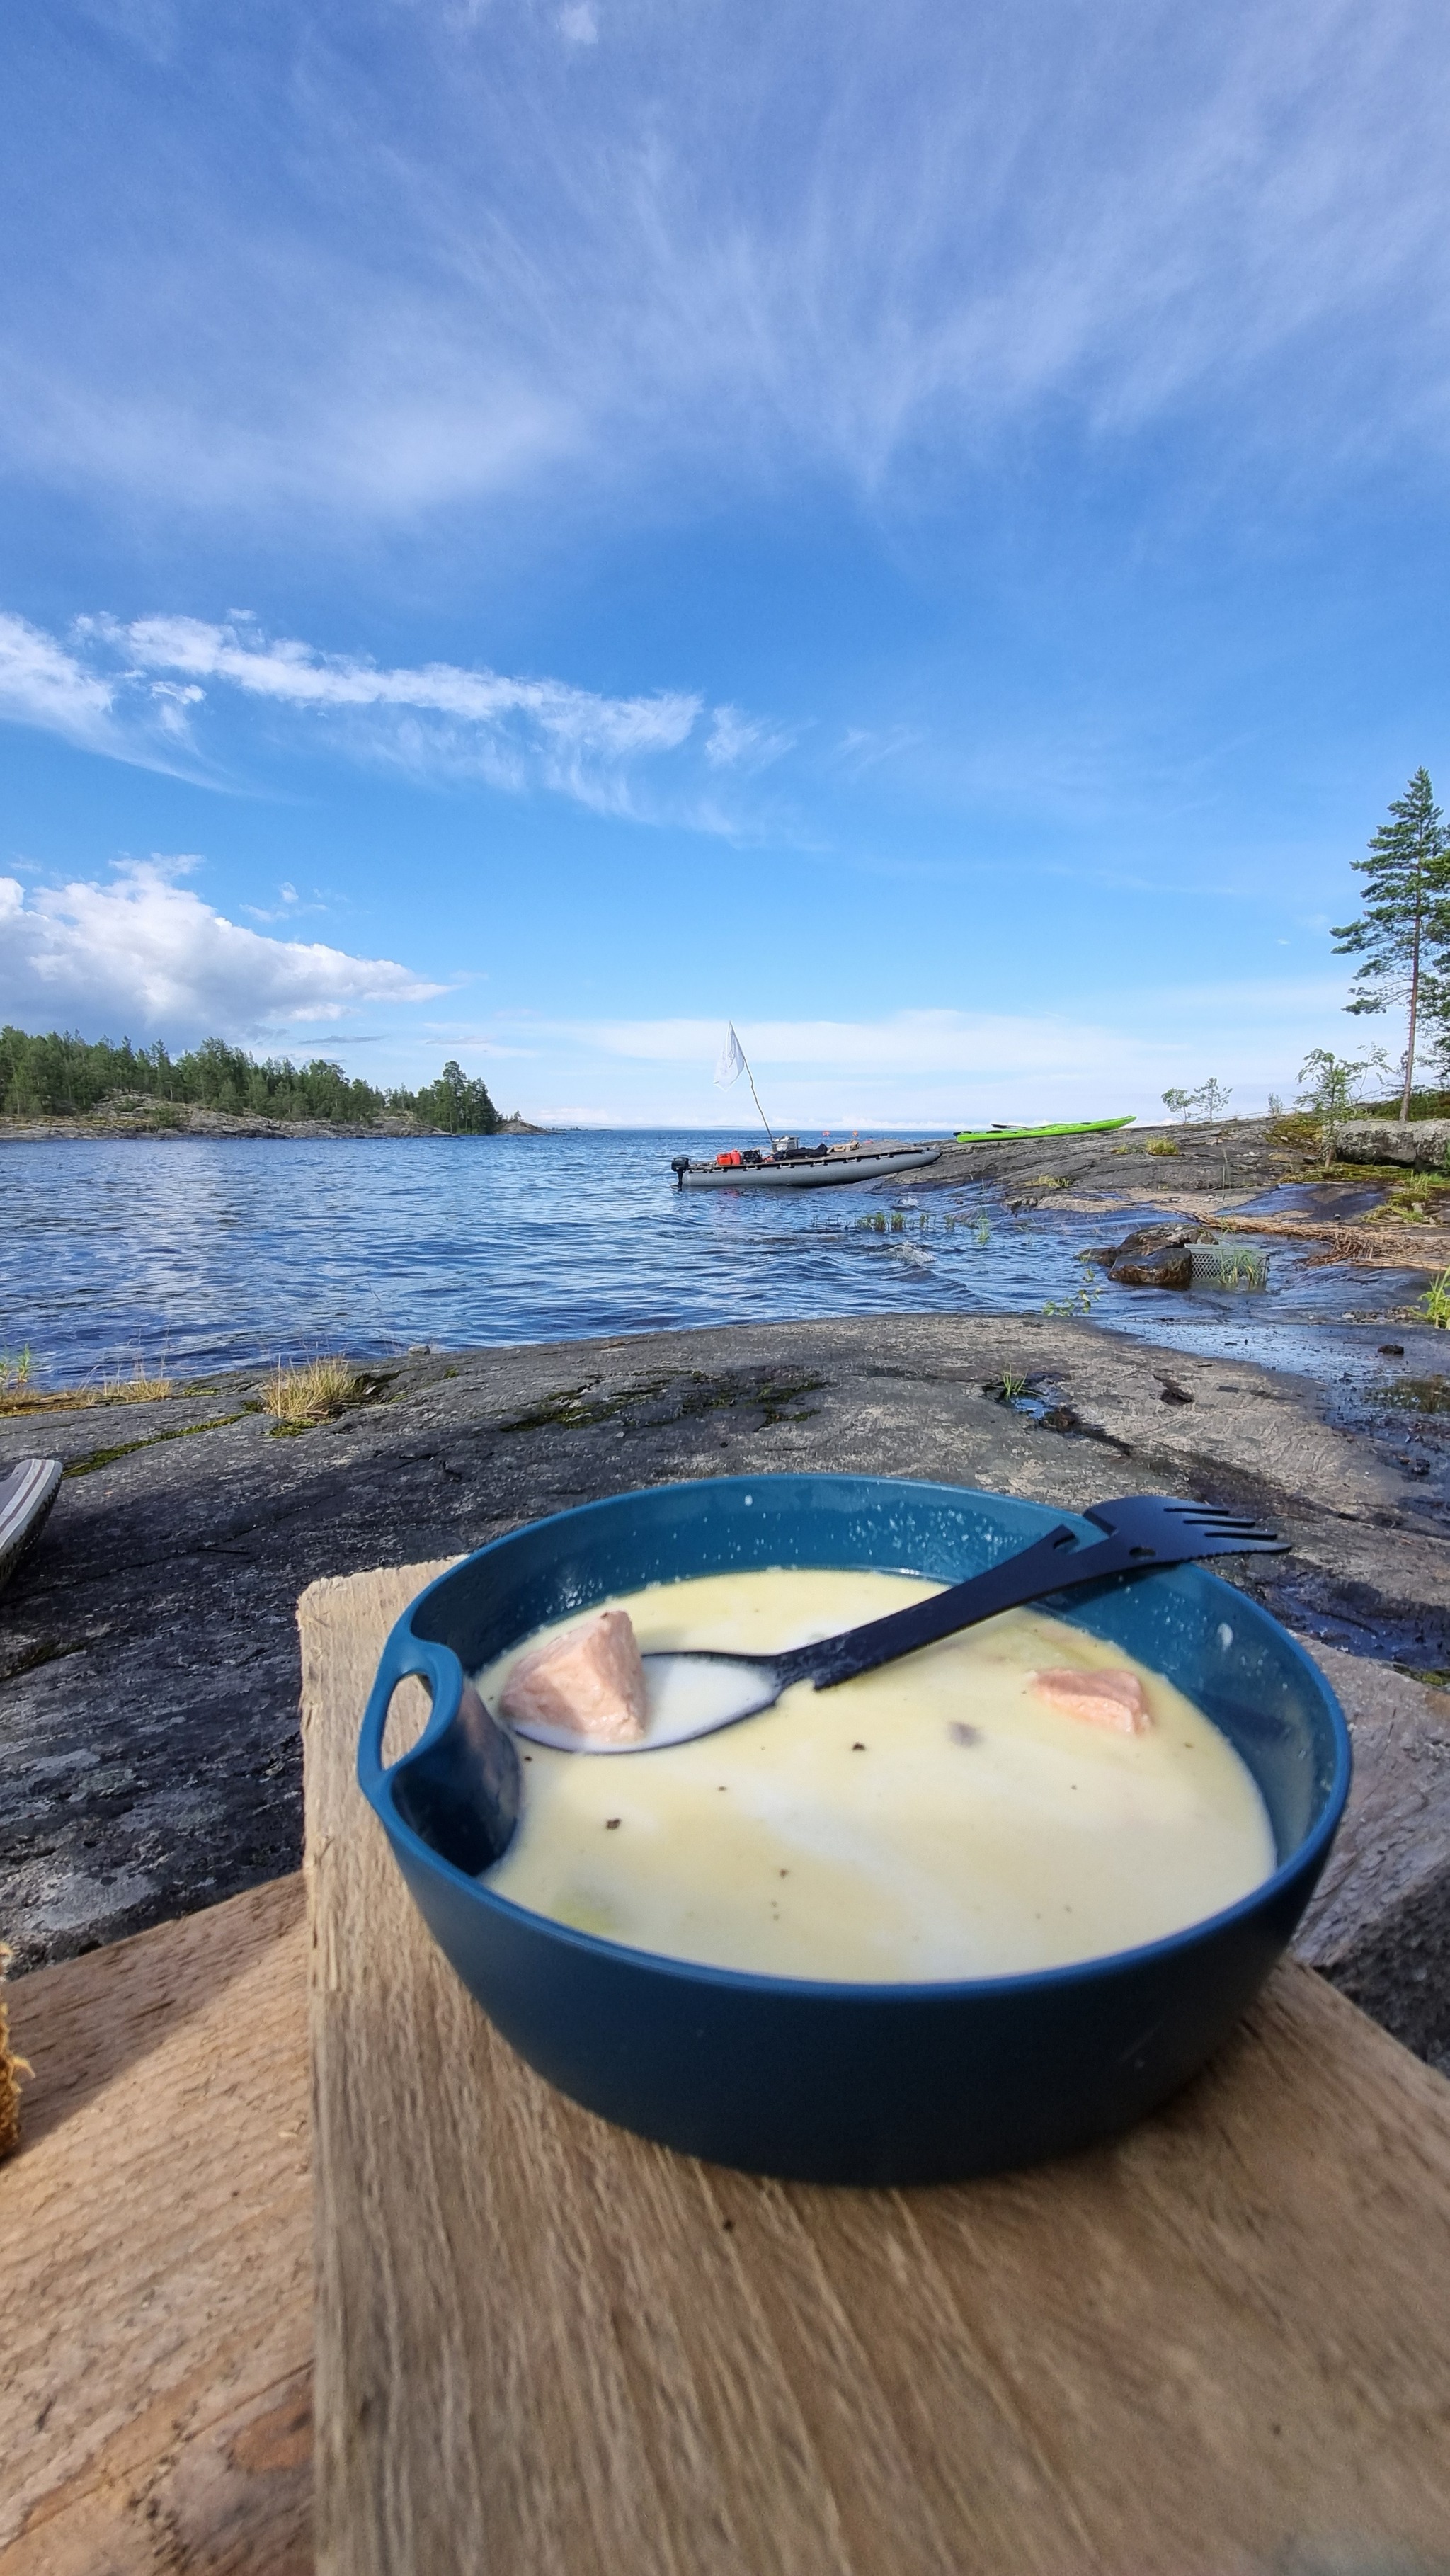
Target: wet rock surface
pixel 149 1754
pixel 1170 1266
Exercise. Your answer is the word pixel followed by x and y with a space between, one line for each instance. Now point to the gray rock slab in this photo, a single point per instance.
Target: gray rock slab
pixel 149 1758
pixel 1421 1143
pixel 1218 1159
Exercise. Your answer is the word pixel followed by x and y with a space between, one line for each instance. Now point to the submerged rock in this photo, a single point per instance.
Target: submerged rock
pixel 1155 1256
pixel 1170 1268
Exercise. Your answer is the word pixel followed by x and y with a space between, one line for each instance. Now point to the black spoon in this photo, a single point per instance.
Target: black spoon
pixel 695 1691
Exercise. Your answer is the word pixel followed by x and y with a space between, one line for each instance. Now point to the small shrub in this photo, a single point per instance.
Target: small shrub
pixel 14 1371
pixel 1420 1201
pixel 1221 1265
pixel 1436 1302
pixel 1210 1100
pixel 1296 1129
pixel 1334 1085
pixel 301 1397
pixel 1163 1145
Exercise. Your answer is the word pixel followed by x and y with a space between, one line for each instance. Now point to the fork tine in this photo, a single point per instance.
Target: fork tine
pixel 1228 1529
pixel 1214 1526
pixel 1221 1521
pixel 1243 1538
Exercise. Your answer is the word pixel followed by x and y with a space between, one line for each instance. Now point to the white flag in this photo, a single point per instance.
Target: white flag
pixel 732 1061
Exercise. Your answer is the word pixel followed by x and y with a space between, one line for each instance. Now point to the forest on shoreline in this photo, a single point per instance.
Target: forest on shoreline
pixel 56 1075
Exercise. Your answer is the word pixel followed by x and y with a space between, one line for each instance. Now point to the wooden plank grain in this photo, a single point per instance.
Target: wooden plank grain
pixel 155 2247
pixel 545 2348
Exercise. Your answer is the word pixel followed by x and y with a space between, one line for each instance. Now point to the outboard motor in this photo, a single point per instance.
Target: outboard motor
pixel 679 1165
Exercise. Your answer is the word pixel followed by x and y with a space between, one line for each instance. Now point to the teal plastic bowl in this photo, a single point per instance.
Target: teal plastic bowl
pixel 836 2082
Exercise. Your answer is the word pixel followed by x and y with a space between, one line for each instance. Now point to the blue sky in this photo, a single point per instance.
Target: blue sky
pixel 529 530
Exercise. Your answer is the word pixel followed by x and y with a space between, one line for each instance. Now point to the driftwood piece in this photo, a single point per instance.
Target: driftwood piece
pixel 1382 1247
pixel 156 2255
pixel 545 2348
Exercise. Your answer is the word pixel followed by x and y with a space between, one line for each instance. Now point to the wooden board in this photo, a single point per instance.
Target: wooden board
pixel 545 2348
pixel 156 2256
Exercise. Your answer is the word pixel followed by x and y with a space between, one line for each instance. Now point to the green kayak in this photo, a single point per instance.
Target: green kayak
pixel 1024 1135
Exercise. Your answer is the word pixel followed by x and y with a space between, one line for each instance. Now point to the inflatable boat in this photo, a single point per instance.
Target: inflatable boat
pixel 801 1167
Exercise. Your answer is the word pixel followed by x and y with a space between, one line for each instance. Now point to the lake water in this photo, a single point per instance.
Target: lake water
pixel 189 1255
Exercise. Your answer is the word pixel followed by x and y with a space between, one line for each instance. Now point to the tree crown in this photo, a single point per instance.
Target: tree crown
pixel 1407 899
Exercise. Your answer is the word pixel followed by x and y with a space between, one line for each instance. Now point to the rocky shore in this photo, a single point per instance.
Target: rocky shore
pixel 148 1655
pixel 162 1118
pixel 1215 1175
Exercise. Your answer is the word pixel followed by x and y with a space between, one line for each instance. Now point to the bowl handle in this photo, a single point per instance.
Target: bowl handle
pixel 439 1667
pixel 459 1789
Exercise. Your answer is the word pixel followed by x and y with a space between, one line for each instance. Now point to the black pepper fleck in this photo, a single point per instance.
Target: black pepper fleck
pixel 610 1823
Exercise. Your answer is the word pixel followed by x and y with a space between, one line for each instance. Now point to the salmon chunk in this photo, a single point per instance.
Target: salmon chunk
pixel 590 1680
pixel 1112 1698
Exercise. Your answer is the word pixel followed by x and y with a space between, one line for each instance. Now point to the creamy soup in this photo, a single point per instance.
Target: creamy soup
pixel 937 1819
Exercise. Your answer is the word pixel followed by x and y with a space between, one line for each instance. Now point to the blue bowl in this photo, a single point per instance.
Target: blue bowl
pixel 816 2081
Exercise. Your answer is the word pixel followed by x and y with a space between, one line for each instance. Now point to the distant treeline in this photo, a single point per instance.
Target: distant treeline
pixel 63 1077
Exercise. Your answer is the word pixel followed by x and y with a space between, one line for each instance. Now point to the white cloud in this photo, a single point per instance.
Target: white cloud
pixel 938 1068
pixel 144 954
pixel 141 689
pixel 41 684
pixel 514 734
pixel 298 675
pixel 578 24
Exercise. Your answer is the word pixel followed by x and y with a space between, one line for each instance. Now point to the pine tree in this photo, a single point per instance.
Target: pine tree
pixel 1403 934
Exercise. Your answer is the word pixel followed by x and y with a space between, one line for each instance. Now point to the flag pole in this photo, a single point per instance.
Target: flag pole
pixel 755 1096
pixel 734 1061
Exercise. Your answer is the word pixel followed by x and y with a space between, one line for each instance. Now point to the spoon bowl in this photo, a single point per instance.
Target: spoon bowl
pixel 693 1692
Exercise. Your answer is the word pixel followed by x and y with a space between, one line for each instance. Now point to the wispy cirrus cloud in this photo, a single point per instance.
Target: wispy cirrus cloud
pixel 141 689
pixel 456 253
pixel 737 741
pixel 142 952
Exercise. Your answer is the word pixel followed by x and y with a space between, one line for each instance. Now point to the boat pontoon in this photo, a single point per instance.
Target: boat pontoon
pixel 793 1166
